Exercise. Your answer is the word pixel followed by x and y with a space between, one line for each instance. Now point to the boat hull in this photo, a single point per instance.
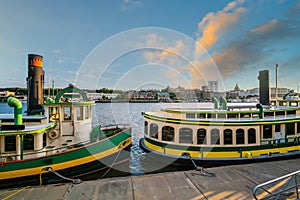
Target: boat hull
pixel 98 157
pixel 211 162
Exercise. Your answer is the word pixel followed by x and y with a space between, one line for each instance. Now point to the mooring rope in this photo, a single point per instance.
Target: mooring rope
pixel 75 181
pixel 109 168
pixel 202 171
pixel 13 194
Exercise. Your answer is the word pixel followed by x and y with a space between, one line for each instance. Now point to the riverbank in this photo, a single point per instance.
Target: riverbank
pixel 230 182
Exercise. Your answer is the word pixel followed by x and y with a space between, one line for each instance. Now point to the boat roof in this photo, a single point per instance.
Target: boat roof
pixel 30 129
pixel 231 109
pixel 11 116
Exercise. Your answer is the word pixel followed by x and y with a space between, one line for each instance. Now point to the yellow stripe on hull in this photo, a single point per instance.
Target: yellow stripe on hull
pixel 221 154
pixel 64 165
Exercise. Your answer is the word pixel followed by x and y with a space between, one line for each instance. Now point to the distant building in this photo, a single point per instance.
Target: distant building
pixel 213 86
pixel 254 92
pixel 163 96
pixel 280 92
pixel 99 96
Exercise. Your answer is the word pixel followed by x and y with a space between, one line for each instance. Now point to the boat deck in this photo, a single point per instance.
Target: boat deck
pixel 231 182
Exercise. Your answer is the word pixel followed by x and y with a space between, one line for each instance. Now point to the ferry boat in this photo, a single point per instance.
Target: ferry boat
pixel 224 135
pixel 54 141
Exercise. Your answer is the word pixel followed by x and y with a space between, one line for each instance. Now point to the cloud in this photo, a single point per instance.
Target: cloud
pixel 130 4
pixel 253 48
pixel 200 69
pixel 18 51
pixel 256 47
pixel 56 51
pixel 213 25
pixel 168 54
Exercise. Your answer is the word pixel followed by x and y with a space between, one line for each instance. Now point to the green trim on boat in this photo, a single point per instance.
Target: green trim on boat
pixel 81 152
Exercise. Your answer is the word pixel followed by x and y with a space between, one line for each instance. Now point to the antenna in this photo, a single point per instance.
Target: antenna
pixel 276 87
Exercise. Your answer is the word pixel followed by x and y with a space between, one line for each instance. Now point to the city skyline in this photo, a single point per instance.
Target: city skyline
pixel 133 44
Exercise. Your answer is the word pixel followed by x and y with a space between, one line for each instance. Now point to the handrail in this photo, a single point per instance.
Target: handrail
pixel 276 187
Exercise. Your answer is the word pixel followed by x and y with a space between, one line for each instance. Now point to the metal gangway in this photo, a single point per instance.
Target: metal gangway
pixel 279 188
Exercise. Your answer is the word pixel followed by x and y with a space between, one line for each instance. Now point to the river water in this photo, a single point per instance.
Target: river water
pixel 131 113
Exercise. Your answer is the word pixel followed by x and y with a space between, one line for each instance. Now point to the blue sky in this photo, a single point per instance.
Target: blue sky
pixel 97 44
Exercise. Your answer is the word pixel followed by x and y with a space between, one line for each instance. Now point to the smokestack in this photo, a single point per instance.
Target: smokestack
pixel 35 82
pixel 264 87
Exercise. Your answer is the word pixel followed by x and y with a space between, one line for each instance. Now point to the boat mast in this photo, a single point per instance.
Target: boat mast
pixel 52 89
pixel 276 87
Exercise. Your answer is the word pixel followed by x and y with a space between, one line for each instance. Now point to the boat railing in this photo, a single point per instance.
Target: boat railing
pixel 112 126
pixel 279 188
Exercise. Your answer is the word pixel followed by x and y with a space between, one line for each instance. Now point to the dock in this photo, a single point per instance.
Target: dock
pixel 229 182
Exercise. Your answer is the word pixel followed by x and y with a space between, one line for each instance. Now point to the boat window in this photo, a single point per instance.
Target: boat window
pixel 267 131
pixel 87 112
pixel 232 115
pixel 227 136
pixel 280 113
pixel 213 115
pixel 268 114
pixel 186 135
pixel 283 103
pixel 294 104
pixel 240 136
pixel 222 115
pixel 298 127
pixel 201 136
pixel 44 139
pixel 201 115
pixel 10 143
pixel 291 112
pixel 146 128
pixel 245 115
pixel 255 115
pixel 251 136
pixel 53 114
pixel 28 142
pixel 290 128
pixel 277 128
pixel 215 136
pixel 80 113
pixel 168 133
pixel 190 115
pixel 154 131
pixel 67 113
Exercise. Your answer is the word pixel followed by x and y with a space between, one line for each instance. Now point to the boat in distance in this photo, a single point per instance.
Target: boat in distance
pixel 55 140
pixel 224 135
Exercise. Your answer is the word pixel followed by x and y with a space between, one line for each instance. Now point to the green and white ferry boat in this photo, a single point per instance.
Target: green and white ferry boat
pixel 223 135
pixel 55 140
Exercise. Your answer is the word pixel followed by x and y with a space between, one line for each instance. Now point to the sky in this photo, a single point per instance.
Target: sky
pixel 136 44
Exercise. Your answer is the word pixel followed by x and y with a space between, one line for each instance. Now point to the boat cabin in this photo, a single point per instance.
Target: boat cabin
pixel 235 127
pixel 65 122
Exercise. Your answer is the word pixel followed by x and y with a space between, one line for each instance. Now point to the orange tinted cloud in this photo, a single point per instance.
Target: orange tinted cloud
pixel 213 25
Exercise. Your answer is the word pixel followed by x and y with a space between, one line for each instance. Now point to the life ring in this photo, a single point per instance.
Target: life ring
pixel 52 134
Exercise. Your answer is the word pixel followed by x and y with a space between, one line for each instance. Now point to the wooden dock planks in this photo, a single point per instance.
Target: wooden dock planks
pixel 230 182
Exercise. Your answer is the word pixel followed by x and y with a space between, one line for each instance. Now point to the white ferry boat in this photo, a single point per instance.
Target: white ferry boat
pixel 224 135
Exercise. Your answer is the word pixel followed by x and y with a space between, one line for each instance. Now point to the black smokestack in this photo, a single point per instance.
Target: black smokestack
pixel 264 87
pixel 35 82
